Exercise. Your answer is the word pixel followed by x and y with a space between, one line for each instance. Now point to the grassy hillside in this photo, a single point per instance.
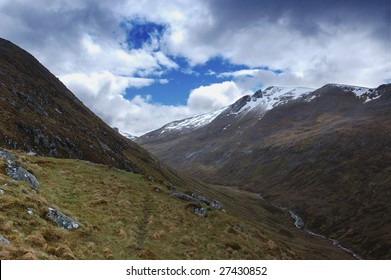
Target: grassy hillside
pixel 127 216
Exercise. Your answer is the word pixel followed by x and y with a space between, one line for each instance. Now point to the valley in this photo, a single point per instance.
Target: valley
pixel 325 154
pixel 223 185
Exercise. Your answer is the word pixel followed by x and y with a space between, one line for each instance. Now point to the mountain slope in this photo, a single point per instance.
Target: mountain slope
pixel 325 153
pixel 40 114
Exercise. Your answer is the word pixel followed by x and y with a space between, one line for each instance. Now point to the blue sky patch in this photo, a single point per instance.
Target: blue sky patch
pixel 184 79
pixel 140 33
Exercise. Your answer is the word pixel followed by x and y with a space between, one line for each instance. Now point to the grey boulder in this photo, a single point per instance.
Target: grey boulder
pixel 18 173
pixel 61 219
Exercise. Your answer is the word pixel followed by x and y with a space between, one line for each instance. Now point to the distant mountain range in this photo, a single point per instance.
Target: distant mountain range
pixel 325 153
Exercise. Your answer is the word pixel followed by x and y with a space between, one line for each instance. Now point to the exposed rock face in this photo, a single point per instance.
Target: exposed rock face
pixel 18 173
pixel 61 219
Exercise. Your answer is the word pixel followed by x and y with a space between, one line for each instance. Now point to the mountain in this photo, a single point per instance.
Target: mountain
pixel 71 187
pixel 324 153
pixel 41 115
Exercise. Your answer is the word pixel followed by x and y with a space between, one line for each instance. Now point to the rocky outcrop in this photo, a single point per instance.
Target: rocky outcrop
pixel 201 198
pixel 18 173
pixel 183 196
pixel 196 202
pixel 61 219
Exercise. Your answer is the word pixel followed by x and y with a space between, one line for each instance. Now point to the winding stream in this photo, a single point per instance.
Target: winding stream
pixel 299 223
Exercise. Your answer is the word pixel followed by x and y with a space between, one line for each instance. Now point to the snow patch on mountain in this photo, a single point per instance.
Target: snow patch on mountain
pixel 128 135
pixel 367 94
pixel 194 122
pixel 264 101
pixel 275 96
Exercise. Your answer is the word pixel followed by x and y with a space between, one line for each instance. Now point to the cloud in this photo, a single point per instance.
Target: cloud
pixel 104 93
pixel 214 96
pixel 319 40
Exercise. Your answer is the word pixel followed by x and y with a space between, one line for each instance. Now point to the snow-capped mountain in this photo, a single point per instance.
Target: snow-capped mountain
pixel 262 101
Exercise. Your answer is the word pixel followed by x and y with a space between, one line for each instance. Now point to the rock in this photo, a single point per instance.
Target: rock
pixel 202 212
pixel 7 155
pixel 198 210
pixel 18 173
pixel 61 219
pixel 217 205
pixel 4 240
pixel 183 196
pixel 201 198
pixel 53 150
pixel 2 191
pixel 31 153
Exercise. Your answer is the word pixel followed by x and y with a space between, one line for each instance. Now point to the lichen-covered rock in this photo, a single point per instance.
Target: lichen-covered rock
pixel 4 240
pixel 18 173
pixel 61 219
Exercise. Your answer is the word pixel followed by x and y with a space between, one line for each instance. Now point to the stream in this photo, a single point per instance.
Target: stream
pixel 299 223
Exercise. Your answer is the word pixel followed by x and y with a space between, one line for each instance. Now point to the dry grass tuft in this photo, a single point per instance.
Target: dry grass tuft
pixel 29 256
pixel 159 234
pixel 37 239
pixel 107 254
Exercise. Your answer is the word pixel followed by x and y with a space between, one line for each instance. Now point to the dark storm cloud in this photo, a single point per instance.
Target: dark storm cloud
pixel 304 15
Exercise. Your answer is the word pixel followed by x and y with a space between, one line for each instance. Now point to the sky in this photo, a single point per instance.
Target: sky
pixel 140 64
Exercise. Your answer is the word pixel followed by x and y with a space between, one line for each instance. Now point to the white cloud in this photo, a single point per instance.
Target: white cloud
pixel 239 73
pixel 103 93
pixel 214 96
